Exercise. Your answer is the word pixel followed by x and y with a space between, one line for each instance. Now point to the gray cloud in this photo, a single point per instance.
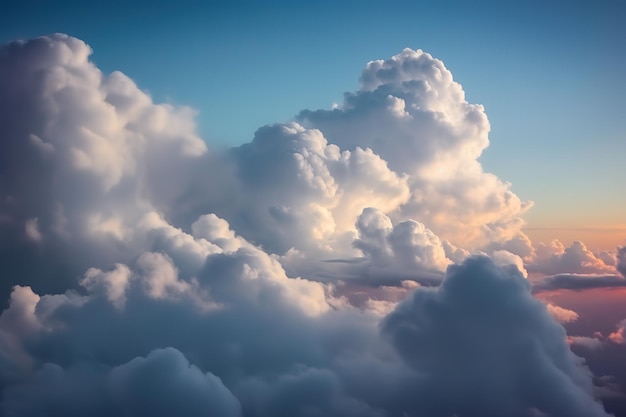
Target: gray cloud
pixel 488 348
pixel 621 260
pixel 578 282
pixel 161 384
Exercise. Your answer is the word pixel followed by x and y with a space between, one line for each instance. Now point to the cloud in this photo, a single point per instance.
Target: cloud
pixel 554 258
pixel 107 157
pixel 577 282
pixel 84 155
pixel 586 342
pixel 161 384
pixel 562 315
pixel 301 192
pixel 619 335
pixel 398 251
pixel 411 112
pixel 482 332
pixel 149 275
pixel 481 329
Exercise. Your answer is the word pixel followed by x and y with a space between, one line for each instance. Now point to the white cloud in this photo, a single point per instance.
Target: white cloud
pixel 554 258
pixel 411 112
pixel 407 250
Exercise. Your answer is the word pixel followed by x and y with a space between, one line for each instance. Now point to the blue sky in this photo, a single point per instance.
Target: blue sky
pixel 549 74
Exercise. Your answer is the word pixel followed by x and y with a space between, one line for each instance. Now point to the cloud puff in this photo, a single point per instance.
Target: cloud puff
pixel 83 156
pixel 619 335
pixel 161 384
pixel 398 251
pixel 302 192
pixel 518 355
pixel 554 258
pixel 562 315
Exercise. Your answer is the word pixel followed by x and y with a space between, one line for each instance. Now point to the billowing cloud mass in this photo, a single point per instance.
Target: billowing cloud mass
pixel 332 266
pixel 554 258
pixel 412 113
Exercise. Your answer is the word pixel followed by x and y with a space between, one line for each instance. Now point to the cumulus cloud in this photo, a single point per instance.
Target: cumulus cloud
pixel 554 258
pixel 411 112
pixel 83 156
pixel 398 251
pixel 149 275
pixel 161 384
pixel 516 355
pixel 575 268
pixel 481 329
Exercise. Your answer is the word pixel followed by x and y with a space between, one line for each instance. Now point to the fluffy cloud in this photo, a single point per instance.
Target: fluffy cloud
pixel 398 251
pixel 517 355
pixel 148 275
pixel 411 112
pixel 161 384
pixel 83 156
pixel 554 258
pixel 302 192
pixel 481 329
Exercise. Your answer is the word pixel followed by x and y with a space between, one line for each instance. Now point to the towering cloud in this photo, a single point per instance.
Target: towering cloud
pixel 149 275
pixel 412 113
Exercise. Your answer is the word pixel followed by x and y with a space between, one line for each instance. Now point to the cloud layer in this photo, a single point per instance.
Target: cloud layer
pixel 149 275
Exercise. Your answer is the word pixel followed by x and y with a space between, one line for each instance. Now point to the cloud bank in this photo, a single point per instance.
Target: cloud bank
pixel 149 275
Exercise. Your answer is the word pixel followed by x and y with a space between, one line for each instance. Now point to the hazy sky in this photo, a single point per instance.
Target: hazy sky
pixel 324 209
pixel 549 74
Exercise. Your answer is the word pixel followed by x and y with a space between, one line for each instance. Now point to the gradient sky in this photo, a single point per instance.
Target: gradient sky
pixel 550 74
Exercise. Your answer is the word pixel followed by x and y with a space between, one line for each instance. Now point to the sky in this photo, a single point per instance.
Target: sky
pixel 548 73
pixel 323 208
